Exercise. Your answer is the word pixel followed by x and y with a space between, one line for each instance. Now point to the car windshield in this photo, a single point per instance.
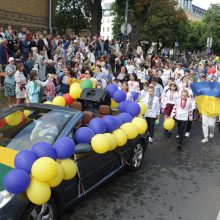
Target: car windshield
pixel 25 127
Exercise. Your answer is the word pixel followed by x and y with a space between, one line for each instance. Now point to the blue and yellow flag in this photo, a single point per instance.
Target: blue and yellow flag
pixel 207 96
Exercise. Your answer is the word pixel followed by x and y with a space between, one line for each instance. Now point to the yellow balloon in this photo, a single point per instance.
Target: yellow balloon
pixel 143 108
pixel 60 101
pixel 27 113
pixel 217 59
pixel 121 137
pixel 75 91
pixel 38 193
pixel 75 85
pixel 169 124
pixel 100 144
pixel 140 124
pixel 114 104
pixel 69 169
pixel 112 141
pixel 130 130
pixel 14 119
pixel 58 178
pixel 44 169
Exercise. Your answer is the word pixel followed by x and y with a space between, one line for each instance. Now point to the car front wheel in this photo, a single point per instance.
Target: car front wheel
pixel 137 157
pixel 44 212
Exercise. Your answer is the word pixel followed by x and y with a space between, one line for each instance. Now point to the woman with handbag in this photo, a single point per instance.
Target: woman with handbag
pixel 9 82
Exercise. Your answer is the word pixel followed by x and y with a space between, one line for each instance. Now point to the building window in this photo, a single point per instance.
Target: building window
pixel 103 29
pixel 108 29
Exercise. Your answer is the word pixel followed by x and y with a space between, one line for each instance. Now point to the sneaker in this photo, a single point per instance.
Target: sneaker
pixel 211 135
pixel 177 136
pixel 187 134
pixel 179 146
pixel 150 140
pixel 205 140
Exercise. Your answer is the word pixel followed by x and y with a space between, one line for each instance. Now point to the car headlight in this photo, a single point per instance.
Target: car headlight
pixel 5 197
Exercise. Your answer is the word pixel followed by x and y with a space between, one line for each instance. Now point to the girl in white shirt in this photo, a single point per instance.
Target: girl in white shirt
pixel 153 110
pixel 133 84
pixel 182 112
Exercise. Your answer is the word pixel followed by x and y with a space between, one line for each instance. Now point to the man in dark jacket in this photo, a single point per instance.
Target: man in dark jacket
pixel 4 56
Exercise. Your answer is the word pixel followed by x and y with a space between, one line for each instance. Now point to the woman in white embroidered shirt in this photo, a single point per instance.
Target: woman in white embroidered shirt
pixel 182 112
pixel 153 110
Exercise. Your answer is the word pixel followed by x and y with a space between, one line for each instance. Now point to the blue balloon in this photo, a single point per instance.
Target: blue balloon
pixel 118 121
pixel 111 123
pixel 24 160
pixel 135 95
pixel 64 147
pixel 119 96
pixel 111 89
pixel 125 117
pixel 122 105
pixel 98 125
pixel 16 181
pixel 44 149
pixel 84 135
pixel 133 108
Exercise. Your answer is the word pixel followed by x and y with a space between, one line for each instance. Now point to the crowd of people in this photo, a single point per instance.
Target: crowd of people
pixel 41 65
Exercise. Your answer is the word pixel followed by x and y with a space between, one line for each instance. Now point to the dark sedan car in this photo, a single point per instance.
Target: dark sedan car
pixel 93 169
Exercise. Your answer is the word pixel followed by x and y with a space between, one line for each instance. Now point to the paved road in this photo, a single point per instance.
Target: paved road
pixel 171 185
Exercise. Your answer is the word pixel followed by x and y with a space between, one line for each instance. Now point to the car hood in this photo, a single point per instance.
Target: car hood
pixel 3 171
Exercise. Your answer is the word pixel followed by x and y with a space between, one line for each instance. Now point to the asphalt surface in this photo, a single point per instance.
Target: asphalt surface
pixel 171 185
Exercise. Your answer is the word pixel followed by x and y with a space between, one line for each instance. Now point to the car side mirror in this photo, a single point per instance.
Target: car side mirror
pixel 83 148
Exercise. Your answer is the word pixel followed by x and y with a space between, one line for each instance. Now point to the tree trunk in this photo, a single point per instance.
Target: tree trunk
pixel 144 15
pixel 96 16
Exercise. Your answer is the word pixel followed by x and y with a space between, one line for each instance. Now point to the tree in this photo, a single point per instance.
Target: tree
pixel 71 14
pixel 95 8
pixel 212 25
pixel 152 21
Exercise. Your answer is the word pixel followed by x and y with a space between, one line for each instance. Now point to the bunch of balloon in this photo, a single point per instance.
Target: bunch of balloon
pixel 43 167
pixel 116 95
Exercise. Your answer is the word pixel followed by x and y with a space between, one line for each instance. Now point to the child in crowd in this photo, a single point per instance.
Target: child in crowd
pixel 133 84
pixel 50 89
pixel 182 112
pixel 144 92
pixel 153 110
pixel 169 98
pixel 126 90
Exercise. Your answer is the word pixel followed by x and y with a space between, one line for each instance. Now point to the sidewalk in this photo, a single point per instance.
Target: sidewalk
pixel 3 100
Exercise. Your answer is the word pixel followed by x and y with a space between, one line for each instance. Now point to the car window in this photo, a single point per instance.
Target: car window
pixel 39 125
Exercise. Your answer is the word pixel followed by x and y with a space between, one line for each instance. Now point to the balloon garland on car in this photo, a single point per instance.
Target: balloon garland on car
pixel 45 166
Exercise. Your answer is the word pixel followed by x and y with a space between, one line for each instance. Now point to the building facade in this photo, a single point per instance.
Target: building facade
pixel 192 11
pixel 107 21
pixel 33 14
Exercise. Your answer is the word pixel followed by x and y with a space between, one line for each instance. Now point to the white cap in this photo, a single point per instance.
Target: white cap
pixel 11 59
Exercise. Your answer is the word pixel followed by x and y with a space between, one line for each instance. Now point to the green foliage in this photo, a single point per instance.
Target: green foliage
pixel 71 14
pixel 212 25
pixel 166 23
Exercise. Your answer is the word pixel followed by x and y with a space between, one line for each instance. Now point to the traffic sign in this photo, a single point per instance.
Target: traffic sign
pixel 123 28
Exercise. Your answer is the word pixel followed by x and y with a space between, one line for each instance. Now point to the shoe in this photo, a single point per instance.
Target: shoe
pixel 205 140
pixel 187 134
pixel 179 146
pixel 177 136
pixel 150 140
pixel 211 135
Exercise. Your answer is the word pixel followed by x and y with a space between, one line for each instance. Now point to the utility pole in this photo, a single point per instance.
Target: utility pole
pixel 126 28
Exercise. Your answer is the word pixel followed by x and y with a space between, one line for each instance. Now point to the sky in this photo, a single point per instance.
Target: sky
pixel 205 3
pixel 201 3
